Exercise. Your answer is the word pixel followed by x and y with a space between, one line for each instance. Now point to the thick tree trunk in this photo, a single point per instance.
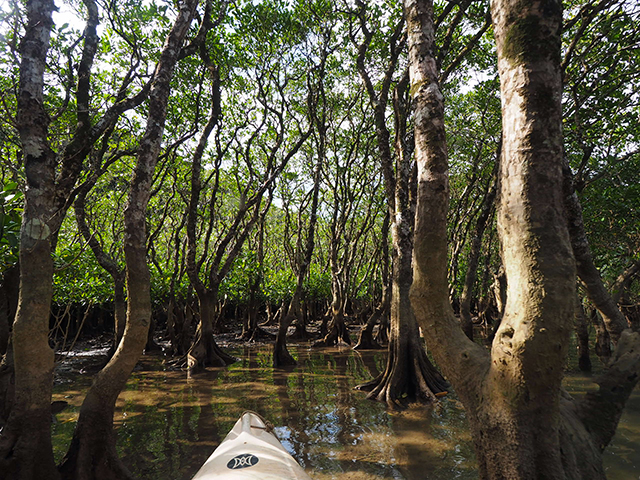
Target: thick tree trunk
pixel 180 332
pixel 382 336
pixel 27 434
pixel 409 376
pixel 152 345
pixel 365 338
pixel 523 425
pixel 204 351
pixel 622 283
pixel 119 311
pixel 300 325
pixel 337 329
pixel 281 355
pixel 92 454
pixel 523 386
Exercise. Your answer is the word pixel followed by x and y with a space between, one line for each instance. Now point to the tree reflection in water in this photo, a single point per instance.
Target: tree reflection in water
pixel 169 424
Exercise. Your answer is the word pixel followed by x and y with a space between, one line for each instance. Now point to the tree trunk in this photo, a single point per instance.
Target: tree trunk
pixel 366 340
pixel 281 355
pixel 522 424
pixel 523 387
pixel 474 257
pixel 409 376
pixel 151 345
pixel 613 318
pixel 250 329
pixel 603 341
pixel 119 311
pixel 622 283
pixel 582 337
pixel 27 434
pixel 382 336
pixel 9 293
pixel 337 329
pixel 204 351
pixel 179 321
pixel 92 453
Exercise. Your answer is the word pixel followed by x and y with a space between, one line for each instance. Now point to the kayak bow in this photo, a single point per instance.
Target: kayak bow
pixel 251 451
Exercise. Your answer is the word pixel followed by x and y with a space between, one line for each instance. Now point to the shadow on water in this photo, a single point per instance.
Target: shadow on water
pixel 169 424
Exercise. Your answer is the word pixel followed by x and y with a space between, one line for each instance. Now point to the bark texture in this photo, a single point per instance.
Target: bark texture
pixel 408 376
pixel 524 425
pixel 92 454
pixel 529 350
pixel 27 434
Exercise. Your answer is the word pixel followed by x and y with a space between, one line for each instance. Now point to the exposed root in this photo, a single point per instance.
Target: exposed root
pixel 365 338
pixel 206 353
pixel 92 454
pixel 338 331
pixel 255 335
pixel 408 378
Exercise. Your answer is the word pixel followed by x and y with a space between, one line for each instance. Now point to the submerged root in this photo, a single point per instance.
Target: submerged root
pixel 205 352
pixel 256 334
pixel 338 331
pixel 408 378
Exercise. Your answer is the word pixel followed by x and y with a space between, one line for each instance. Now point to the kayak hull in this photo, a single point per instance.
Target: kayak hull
pixel 250 452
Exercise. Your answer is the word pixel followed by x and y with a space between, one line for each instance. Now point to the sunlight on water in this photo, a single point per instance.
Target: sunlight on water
pixel 169 424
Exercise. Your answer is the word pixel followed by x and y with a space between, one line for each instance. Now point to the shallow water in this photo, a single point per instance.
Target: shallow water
pixel 168 424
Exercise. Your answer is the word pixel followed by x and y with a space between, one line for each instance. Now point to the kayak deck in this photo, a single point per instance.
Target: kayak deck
pixel 251 451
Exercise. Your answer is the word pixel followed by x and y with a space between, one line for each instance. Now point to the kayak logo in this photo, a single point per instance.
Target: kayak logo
pixel 242 461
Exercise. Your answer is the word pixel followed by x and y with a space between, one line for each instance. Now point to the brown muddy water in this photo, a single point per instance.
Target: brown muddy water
pixel 168 424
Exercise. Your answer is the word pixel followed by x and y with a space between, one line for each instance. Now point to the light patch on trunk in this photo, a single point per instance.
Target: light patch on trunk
pixel 33 148
pixel 37 229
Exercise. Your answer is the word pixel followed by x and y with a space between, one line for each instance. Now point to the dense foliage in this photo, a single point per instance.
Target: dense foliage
pixel 271 58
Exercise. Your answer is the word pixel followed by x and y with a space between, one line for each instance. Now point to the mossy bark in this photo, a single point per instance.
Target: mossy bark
pixel 523 423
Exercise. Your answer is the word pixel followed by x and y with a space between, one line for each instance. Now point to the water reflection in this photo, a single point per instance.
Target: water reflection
pixel 169 424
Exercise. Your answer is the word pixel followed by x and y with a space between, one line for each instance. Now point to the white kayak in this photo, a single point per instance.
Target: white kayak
pixel 251 451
